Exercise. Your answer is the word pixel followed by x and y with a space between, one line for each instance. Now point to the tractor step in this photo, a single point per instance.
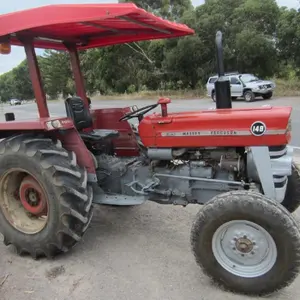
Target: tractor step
pixel 115 199
pixel 118 199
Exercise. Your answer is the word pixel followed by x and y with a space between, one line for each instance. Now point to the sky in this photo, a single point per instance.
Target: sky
pixel 17 55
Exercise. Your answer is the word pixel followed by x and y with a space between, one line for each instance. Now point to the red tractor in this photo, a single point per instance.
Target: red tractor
pixel 235 162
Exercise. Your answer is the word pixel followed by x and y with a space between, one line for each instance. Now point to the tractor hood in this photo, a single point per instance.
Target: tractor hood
pixel 214 128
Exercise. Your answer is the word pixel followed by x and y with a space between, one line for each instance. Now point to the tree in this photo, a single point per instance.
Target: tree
pixel 56 73
pixel 288 38
pixel 7 90
pixel 169 9
pixel 21 81
pixel 258 38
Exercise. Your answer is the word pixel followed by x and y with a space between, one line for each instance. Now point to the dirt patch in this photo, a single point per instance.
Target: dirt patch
pixel 54 272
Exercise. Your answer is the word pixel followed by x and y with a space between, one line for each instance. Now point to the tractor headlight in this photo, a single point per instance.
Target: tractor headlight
pixel 55 124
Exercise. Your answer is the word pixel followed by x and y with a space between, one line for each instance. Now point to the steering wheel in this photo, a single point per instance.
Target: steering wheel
pixel 138 113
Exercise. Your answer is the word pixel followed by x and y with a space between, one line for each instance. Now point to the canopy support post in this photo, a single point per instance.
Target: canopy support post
pixel 36 79
pixel 79 81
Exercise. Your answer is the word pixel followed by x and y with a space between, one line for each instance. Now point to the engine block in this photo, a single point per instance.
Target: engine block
pixel 172 181
pixel 182 176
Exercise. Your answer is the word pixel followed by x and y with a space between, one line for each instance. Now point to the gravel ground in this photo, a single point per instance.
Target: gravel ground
pixel 128 253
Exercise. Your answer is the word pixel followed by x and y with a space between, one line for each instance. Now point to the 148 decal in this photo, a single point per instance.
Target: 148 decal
pixel 258 128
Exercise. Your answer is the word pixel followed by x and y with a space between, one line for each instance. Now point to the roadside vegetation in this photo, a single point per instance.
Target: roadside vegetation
pixel 259 38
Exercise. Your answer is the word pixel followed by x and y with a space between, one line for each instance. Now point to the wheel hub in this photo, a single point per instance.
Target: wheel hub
pixel 32 197
pixel 244 245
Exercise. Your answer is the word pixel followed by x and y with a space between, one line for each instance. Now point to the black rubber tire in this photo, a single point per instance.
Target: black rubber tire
pixel 234 98
pixel 213 96
pixel 267 96
pixel 65 186
pixel 250 94
pixel 291 200
pixel 257 208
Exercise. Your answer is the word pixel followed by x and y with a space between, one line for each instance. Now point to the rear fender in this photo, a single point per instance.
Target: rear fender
pixel 72 142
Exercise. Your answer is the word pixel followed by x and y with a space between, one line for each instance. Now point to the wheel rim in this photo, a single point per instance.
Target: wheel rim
pixel 32 196
pixel 23 202
pixel 244 249
pixel 248 97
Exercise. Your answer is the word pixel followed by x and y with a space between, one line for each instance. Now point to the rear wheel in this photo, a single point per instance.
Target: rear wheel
pixel 45 201
pixel 247 243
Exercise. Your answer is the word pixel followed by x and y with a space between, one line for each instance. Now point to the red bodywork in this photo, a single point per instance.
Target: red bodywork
pixel 42 124
pixel 216 128
pixel 73 28
pixel 86 26
pixel 108 118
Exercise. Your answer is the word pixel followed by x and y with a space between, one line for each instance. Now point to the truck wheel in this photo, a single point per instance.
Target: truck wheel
pixel 291 200
pixel 45 201
pixel 247 243
pixel 249 96
pixel 267 96
pixel 213 96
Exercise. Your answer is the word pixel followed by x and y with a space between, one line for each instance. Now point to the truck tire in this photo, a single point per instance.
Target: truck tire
pixel 291 200
pixel 249 96
pixel 247 243
pixel 267 96
pixel 213 96
pixel 45 200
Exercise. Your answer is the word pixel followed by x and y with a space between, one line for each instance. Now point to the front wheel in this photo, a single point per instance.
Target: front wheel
pixel 247 243
pixel 249 96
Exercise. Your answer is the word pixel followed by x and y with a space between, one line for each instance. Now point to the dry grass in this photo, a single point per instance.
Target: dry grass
pixel 287 88
pixel 179 94
pixel 284 88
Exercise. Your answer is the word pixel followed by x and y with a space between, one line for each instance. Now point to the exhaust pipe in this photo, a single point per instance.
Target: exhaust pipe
pixel 222 84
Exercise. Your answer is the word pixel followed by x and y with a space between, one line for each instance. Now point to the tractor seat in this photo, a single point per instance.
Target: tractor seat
pixel 82 119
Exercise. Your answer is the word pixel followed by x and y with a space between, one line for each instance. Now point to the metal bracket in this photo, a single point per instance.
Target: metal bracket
pixel 144 189
pixel 261 158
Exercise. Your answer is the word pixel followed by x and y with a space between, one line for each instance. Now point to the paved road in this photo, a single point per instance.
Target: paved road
pixel 28 111
pixel 138 253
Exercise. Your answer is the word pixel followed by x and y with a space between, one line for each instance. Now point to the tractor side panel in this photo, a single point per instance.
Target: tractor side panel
pixel 216 128
pixel 108 118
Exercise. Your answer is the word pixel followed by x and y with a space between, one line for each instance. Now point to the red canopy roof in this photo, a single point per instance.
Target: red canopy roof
pixel 87 25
